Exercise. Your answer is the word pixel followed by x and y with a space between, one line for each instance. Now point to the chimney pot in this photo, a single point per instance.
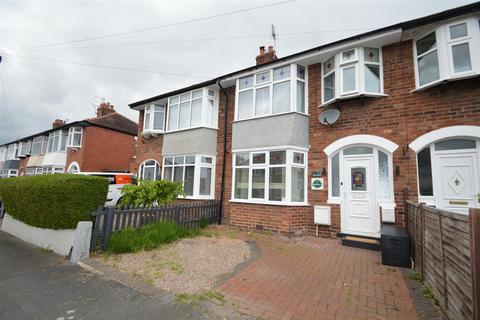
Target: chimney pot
pixel 265 57
pixel 58 123
pixel 105 108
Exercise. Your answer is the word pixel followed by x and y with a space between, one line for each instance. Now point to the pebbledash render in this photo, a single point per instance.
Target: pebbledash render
pixel 262 141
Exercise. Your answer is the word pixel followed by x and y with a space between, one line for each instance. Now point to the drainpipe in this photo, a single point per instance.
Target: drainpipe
pixel 224 161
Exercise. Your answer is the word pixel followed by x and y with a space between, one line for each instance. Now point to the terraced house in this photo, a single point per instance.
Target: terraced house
pixel 103 143
pixel 337 135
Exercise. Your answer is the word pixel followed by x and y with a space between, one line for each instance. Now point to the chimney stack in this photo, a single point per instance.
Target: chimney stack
pixel 58 123
pixel 266 56
pixel 105 108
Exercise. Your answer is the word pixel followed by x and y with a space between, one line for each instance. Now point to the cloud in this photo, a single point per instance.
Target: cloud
pixel 38 91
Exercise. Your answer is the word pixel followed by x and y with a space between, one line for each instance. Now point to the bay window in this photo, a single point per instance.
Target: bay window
pixel 273 91
pixel 195 172
pixel 3 153
pixel 39 145
pixel 448 52
pixel 150 170
pixel 351 73
pixel 193 109
pixel 57 141
pixel 276 176
pixel 25 148
pixel 12 151
pixel 52 170
pixel 75 137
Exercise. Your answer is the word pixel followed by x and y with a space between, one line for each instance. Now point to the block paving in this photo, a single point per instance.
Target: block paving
pixel 316 278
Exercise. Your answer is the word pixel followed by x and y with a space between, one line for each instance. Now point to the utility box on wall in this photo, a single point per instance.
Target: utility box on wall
pixel 322 215
pixel 388 212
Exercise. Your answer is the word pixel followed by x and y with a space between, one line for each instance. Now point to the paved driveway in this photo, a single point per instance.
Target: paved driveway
pixel 318 279
pixel 35 284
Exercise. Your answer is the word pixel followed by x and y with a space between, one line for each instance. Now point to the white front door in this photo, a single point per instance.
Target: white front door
pixel 358 203
pixel 458 181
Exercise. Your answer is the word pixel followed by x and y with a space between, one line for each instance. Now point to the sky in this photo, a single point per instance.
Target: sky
pixel 185 42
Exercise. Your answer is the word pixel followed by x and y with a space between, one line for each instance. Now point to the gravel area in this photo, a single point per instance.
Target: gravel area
pixel 188 266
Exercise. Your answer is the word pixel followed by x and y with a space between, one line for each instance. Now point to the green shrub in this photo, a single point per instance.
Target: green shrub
pixel 56 201
pixel 148 193
pixel 148 237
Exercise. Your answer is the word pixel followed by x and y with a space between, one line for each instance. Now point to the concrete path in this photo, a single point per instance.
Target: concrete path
pixel 35 284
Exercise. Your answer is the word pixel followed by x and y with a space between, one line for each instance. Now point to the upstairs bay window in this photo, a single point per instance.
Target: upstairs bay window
pixel 274 91
pixel 276 177
pixel 154 118
pixel 25 148
pixel 448 52
pixel 195 172
pixel 351 73
pixel 3 153
pixel 193 109
pixel 57 141
pixel 39 145
pixel 75 137
pixel 12 151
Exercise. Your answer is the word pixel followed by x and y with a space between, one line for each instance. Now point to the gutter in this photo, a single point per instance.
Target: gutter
pixel 224 160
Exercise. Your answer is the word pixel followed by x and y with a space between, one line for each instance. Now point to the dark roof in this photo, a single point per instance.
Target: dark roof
pixel 114 121
pixel 447 14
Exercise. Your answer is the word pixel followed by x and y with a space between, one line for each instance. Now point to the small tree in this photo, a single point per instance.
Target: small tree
pixel 148 193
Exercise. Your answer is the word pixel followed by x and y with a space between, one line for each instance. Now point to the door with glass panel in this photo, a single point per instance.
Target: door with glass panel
pixel 456 175
pixel 359 197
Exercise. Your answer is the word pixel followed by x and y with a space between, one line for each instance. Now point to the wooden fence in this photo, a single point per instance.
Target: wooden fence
pixel 446 253
pixel 109 219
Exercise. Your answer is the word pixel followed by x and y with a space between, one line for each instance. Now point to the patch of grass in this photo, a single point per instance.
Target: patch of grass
pixel 427 293
pixel 149 237
pixel 415 276
pixel 195 299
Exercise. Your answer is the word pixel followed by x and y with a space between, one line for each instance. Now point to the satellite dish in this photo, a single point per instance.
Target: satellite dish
pixel 329 116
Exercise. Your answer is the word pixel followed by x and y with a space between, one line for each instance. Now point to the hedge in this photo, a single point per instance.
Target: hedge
pixel 57 201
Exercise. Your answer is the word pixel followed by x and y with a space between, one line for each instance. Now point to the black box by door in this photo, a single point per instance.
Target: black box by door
pixel 395 246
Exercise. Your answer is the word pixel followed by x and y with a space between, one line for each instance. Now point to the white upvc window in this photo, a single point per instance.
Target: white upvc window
pixel 3 153
pixel 195 172
pixel 57 141
pixel 38 171
pixel 352 73
pixel 8 173
pixel 53 170
pixel 12 151
pixel 277 176
pixel 30 171
pixel 275 91
pixel 194 109
pixel 149 170
pixel 39 145
pixel 449 52
pixel 154 119
pixel 25 148
pixel 75 137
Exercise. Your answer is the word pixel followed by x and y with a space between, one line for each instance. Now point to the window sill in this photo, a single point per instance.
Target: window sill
pixel 187 129
pixel 352 96
pixel 334 201
pixel 152 133
pixel 270 115
pixel 271 203
pixel 196 197
pixel 445 81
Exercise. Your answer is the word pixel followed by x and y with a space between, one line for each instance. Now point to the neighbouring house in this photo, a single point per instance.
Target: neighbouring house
pixel 267 142
pixel 103 143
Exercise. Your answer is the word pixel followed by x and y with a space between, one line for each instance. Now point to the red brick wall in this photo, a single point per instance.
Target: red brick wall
pixel 22 167
pixel 401 117
pixel 146 148
pixel 103 149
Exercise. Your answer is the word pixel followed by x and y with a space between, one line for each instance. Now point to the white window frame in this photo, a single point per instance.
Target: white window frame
pixel 30 172
pixel 71 137
pixel 293 91
pixel 42 141
pixel 288 171
pixel 444 52
pixel 24 148
pixel 150 111
pixel 12 151
pixel 3 153
pixel 52 170
pixel 141 171
pixel 204 121
pixel 359 63
pixel 62 135
pixel 196 176
pixel 71 167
